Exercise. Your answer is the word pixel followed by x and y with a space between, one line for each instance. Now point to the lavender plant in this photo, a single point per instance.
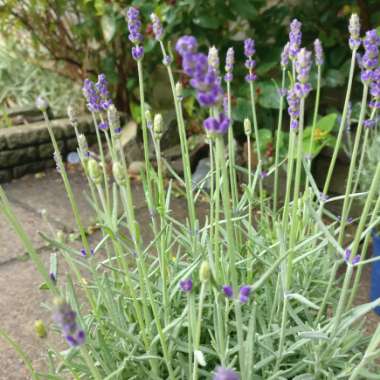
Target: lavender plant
pixel 252 291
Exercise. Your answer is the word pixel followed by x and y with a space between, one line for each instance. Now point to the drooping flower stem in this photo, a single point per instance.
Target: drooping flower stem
pixel 342 126
pixel 278 140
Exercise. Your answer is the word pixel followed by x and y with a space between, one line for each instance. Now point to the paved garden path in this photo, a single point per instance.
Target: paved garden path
pixel 21 301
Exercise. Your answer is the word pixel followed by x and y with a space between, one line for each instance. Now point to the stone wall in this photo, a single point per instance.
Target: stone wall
pixel 27 148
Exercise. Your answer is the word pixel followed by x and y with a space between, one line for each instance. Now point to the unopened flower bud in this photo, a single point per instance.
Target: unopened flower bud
pixel 148 118
pixel 94 171
pixel 247 126
pixel 113 118
pixel 158 125
pixel 72 113
pixel 213 58
pixel 179 90
pixel 83 146
pixel 204 272
pixel 119 173
pixel 40 329
pixel 41 103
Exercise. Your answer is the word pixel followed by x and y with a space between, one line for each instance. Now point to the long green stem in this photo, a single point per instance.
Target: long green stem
pixel 278 141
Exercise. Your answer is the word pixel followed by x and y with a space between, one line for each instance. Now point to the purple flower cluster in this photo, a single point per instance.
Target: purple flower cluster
pixel 134 27
pixel 222 373
pixel 186 285
pixel 157 26
pixel 230 60
pixel 303 66
pixel 347 257
pixel 295 38
pixel 249 51
pixel 318 51
pixel 65 317
pixel 285 56
pixel 203 77
pixel 354 29
pixel 294 107
pixel 370 59
pixel 244 292
pixel 97 94
pixel 218 125
pixel 84 254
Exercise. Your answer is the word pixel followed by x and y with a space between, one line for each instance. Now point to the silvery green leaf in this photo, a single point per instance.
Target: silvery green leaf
pixel 303 300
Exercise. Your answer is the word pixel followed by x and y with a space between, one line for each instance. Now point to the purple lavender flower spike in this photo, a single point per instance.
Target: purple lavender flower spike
pixel 249 47
pixel 244 293
pixel 65 317
pixel 294 107
pixel 370 59
pixel 295 38
pixel 369 123
pixel 303 66
pixel 375 89
pixel 186 285
pixel 249 51
pixel 186 44
pixel 134 25
pixel 354 29
pixel 285 56
pixel 137 52
pixel 228 291
pixel 84 254
pixel 230 60
pixel 157 26
pixel 217 125
pixel 318 51
pixel 222 373
pixel 103 126
pixel 356 260
pixel 97 94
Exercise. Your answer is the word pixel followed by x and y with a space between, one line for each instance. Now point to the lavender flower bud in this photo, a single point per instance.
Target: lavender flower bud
pixel 72 113
pixel 244 293
pixel 119 173
pixel 179 90
pixel 94 171
pixel 354 29
pixel 295 38
pixel 222 373
pixel 83 146
pixel 40 328
pixel 113 118
pixel 204 272
pixel 157 26
pixel 186 285
pixel 65 317
pixel 148 118
pixel 285 56
pixel 137 52
pixel 228 291
pixel 249 47
pixel 294 107
pixel 217 125
pixel 41 103
pixel 213 58
pixel 158 126
pixel 247 126
pixel 318 51
pixel 230 60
